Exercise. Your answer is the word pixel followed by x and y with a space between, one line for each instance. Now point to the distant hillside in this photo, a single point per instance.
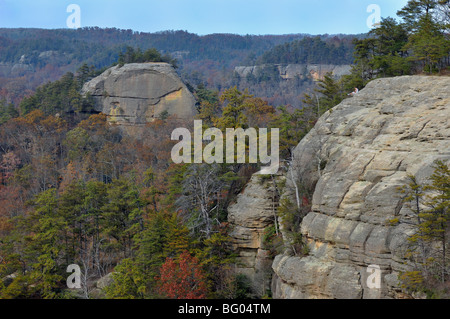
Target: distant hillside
pixel 282 74
pixel 31 57
pixel 311 51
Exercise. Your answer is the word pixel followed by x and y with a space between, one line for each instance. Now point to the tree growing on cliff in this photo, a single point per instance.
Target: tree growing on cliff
pixel 328 93
pixel 132 55
pixel 437 219
pixel 428 246
pixel 418 43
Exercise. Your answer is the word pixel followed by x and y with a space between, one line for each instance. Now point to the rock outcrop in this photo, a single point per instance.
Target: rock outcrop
pixel 367 145
pixel 292 71
pixel 137 93
pixel 254 211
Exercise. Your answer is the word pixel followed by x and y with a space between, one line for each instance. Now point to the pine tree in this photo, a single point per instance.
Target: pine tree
pixel 429 244
pixel 437 219
pixel 429 45
pixel 45 245
pixel 416 10
pixel 233 115
pixel 123 214
pixel 328 93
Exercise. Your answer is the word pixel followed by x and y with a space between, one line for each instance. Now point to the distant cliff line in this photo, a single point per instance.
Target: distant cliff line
pixel 292 71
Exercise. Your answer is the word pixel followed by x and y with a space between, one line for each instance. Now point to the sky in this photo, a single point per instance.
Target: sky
pixel 202 17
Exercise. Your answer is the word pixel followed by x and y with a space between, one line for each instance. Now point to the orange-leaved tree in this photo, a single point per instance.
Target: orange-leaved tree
pixel 182 278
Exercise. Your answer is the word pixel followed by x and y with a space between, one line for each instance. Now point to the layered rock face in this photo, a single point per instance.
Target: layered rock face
pixel 253 212
pixel 358 155
pixel 291 71
pixel 137 93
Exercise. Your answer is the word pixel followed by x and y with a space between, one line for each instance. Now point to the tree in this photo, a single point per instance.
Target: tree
pixel 77 143
pixel 132 55
pixel 123 214
pixel 217 259
pixel 183 278
pixel 331 91
pixel 47 229
pixel 383 53
pixel 233 115
pixel 62 97
pixel 293 125
pixel 429 45
pixel 328 94
pixel 428 40
pixel 416 10
pixel 259 113
pixel 10 162
pixel 203 185
pixel 208 105
pixel 437 219
pixel 7 111
pixel 428 248
pixel 390 51
pixel 418 250
pixel 128 282
pixel 419 43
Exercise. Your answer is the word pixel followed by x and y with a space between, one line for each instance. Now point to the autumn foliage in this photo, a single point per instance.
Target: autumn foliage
pixel 182 278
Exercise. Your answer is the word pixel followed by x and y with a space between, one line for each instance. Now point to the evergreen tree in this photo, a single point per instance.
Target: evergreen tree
pixel 429 45
pixel 123 214
pixel 416 10
pixel 428 249
pixel 47 229
pixel 233 115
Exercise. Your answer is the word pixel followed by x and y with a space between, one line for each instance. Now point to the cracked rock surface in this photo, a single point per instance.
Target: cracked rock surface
pixel 367 145
pixel 137 93
pixel 253 211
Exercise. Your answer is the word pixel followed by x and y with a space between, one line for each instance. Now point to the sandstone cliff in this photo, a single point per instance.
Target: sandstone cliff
pixel 254 211
pixel 369 143
pixel 138 93
pixel 292 71
pixel 355 159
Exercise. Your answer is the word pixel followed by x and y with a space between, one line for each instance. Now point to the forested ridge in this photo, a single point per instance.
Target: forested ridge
pixel 310 51
pixel 76 189
pixel 42 55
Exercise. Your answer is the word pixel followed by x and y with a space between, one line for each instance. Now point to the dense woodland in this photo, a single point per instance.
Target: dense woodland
pixel 75 189
pixel 310 51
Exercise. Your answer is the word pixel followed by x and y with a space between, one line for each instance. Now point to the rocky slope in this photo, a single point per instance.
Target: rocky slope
pixel 367 146
pixel 137 93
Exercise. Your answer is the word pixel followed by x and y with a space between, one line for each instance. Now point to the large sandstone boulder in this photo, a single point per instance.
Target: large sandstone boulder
pixel 137 93
pixel 357 156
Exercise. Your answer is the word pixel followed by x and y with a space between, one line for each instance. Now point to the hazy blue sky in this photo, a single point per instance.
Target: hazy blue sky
pixel 202 16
